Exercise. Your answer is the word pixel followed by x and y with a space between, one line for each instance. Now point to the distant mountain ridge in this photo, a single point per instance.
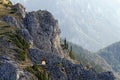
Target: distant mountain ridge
pixel 112 55
pixel 106 59
pixel 87 57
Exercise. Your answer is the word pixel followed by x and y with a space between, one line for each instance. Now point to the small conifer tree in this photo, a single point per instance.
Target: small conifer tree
pixel 71 54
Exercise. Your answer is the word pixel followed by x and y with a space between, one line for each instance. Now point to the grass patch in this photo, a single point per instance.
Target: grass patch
pixel 15 37
pixel 21 54
pixel 30 69
pixel 4 11
pixel 35 67
pixel 12 33
pixel 19 41
pixel 71 54
pixel 41 74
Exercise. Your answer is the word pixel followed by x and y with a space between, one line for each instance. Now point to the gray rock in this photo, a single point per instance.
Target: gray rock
pixel 106 76
pixel 26 35
pixel 62 69
pixel 12 21
pixel 44 30
pixel 9 70
pixel 26 76
pixel 20 9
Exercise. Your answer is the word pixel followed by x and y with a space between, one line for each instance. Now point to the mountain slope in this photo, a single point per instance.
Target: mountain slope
pixel 105 60
pixel 88 58
pixel 84 22
pixel 30 48
pixel 112 55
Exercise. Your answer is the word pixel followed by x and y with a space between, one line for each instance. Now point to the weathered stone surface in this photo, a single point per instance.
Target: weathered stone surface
pixel 106 76
pixel 62 69
pixel 9 70
pixel 44 30
pixel 25 76
pixel 11 21
pixel 26 35
pixel 20 9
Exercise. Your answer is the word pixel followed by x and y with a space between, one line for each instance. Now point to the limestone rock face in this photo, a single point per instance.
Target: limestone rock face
pixel 44 30
pixel 9 70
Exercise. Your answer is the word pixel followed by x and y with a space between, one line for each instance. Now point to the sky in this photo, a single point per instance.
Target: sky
pixel 35 5
pixel 41 4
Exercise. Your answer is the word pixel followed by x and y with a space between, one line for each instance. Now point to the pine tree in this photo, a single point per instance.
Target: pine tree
pixel 71 54
pixel 71 49
pixel 65 44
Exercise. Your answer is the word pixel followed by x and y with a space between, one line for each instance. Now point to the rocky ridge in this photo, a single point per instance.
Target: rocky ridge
pixel 28 37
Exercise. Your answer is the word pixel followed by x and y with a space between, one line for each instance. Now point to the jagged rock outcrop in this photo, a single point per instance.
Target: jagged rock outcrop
pixel 44 30
pixel 40 30
pixel 20 10
pixel 17 20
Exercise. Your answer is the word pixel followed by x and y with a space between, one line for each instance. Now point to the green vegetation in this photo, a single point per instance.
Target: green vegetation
pixel 21 43
pixel 11 33
pixel 30 69
pixel 9 10
pixel 35 67
pixel 21 54
pixel 83 56
pixel 65 44
pixel 5 28
pixel 19 40
pixel 38 71
pixel 13 10
pixel 15 37
pixel 71 53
